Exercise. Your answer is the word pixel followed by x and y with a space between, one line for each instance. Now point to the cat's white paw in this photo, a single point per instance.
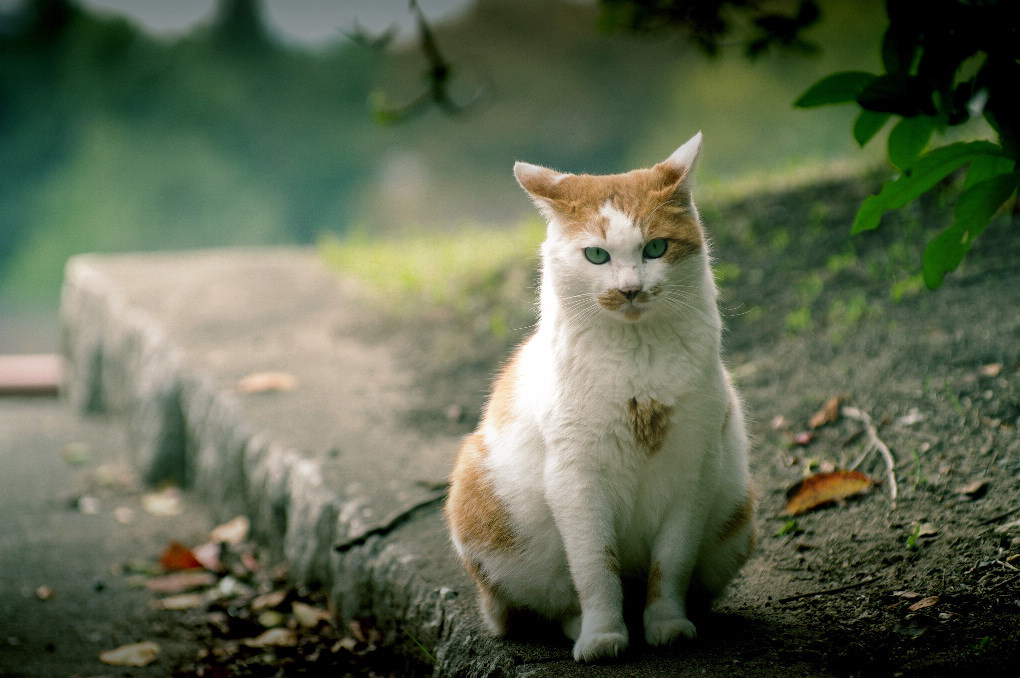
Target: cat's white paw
pixel 593 647
pixel 666 631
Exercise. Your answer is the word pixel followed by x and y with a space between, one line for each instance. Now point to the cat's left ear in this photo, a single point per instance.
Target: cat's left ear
pixel 677 167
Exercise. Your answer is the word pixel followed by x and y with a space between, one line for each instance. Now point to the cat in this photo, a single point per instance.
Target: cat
pixel 613 443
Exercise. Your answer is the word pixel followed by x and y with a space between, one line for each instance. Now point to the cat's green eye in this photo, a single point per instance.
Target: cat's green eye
pixel 654 249
pixel 596 255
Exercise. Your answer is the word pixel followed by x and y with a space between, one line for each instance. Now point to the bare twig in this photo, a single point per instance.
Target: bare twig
pixel 392 522
pixel 874 443
pixel 837 589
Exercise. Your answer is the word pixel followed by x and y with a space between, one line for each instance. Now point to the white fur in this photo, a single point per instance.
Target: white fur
pixel 568 470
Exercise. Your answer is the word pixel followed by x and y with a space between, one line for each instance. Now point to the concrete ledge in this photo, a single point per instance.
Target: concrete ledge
pixel 161 341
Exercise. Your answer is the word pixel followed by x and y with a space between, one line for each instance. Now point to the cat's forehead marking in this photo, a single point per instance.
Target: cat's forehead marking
pixel 615 204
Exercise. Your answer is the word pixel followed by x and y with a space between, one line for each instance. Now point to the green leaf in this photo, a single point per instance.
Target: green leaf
pixel 899 48
pixel 905 95
pixel 838 88
pixel 912 539
pixel 908 139
pixel 987 166
pixel 974 211
pixel 868 124
pixel 930 168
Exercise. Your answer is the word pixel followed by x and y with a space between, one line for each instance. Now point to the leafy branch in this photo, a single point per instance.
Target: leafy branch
pixel 946 62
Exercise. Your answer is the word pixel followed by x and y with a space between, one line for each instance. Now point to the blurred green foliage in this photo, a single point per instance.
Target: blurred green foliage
pixel 113 140
pixel 945 63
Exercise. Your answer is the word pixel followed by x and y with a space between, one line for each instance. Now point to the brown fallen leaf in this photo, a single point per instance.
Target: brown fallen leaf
pixel 991 370
pixel 180 582
pixel 272 638
pixel 924 603
pixel 183 601
pixel 136 654
pixel 822 488
pixel 232 532
pixel 974 490
pixel 268 601
pixel 828 414
pixel 267 382
pixel 166 502
pixel 803 439
pixel 208 554
pixel 309 616
pixel 176 556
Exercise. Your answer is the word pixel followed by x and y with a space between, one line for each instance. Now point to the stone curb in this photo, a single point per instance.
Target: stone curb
pixel 121 360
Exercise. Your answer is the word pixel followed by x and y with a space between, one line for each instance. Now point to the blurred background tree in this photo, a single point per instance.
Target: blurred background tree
pixel 113 139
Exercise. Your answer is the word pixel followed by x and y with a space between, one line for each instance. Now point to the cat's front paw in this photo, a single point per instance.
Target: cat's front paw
pixel 669 630
pixel 601 645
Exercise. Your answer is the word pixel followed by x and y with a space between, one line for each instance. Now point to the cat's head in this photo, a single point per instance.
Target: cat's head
pixel 626 244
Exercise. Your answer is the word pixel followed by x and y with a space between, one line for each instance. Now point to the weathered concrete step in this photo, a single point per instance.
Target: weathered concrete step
pixel 163 340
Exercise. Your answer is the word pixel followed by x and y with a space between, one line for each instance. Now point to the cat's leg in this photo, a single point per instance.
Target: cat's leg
pixel 669 577
pixel 495 609
pixel 728 545
pixel 579 505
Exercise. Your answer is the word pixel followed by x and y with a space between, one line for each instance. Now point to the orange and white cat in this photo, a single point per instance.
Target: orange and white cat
pixel 613 443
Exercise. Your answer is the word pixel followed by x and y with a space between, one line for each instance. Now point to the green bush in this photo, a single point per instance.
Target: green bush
pixel 946 62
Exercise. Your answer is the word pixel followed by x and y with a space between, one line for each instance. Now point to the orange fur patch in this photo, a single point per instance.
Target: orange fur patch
pixel 612 560
pixel 500 409
pixel 473 510
pixel 489 596
pixel 653 197
pixel 649 422
pixel 614 299
pixel 654 584
pixel 739 519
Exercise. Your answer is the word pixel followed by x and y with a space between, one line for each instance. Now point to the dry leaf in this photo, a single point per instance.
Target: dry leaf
pixel 271 619
pixel 208 554
pixel 176 557
pixel 124 515
pixel 268 601
pixel 180 582
pixel 908 595
pixel 138 654
pixel 924 603
pixel 309 616
pixel 184 601
pixel 272 638
pixel 232 532
pixel 991 370
pixel 166 502
pixel 822 488
pixel 803 439
pixel 913 416
pixel 828 414
pixel 266 382
pixel 88 504
pixel 974 490
pixel 76 453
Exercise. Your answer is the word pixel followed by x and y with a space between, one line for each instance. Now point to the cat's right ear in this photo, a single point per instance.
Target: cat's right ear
pixel 542 184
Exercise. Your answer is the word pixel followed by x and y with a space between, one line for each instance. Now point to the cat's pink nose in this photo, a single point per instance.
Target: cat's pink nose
pixel 631 291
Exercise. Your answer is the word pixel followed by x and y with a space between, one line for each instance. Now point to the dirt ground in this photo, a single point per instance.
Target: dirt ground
pixel 927 584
